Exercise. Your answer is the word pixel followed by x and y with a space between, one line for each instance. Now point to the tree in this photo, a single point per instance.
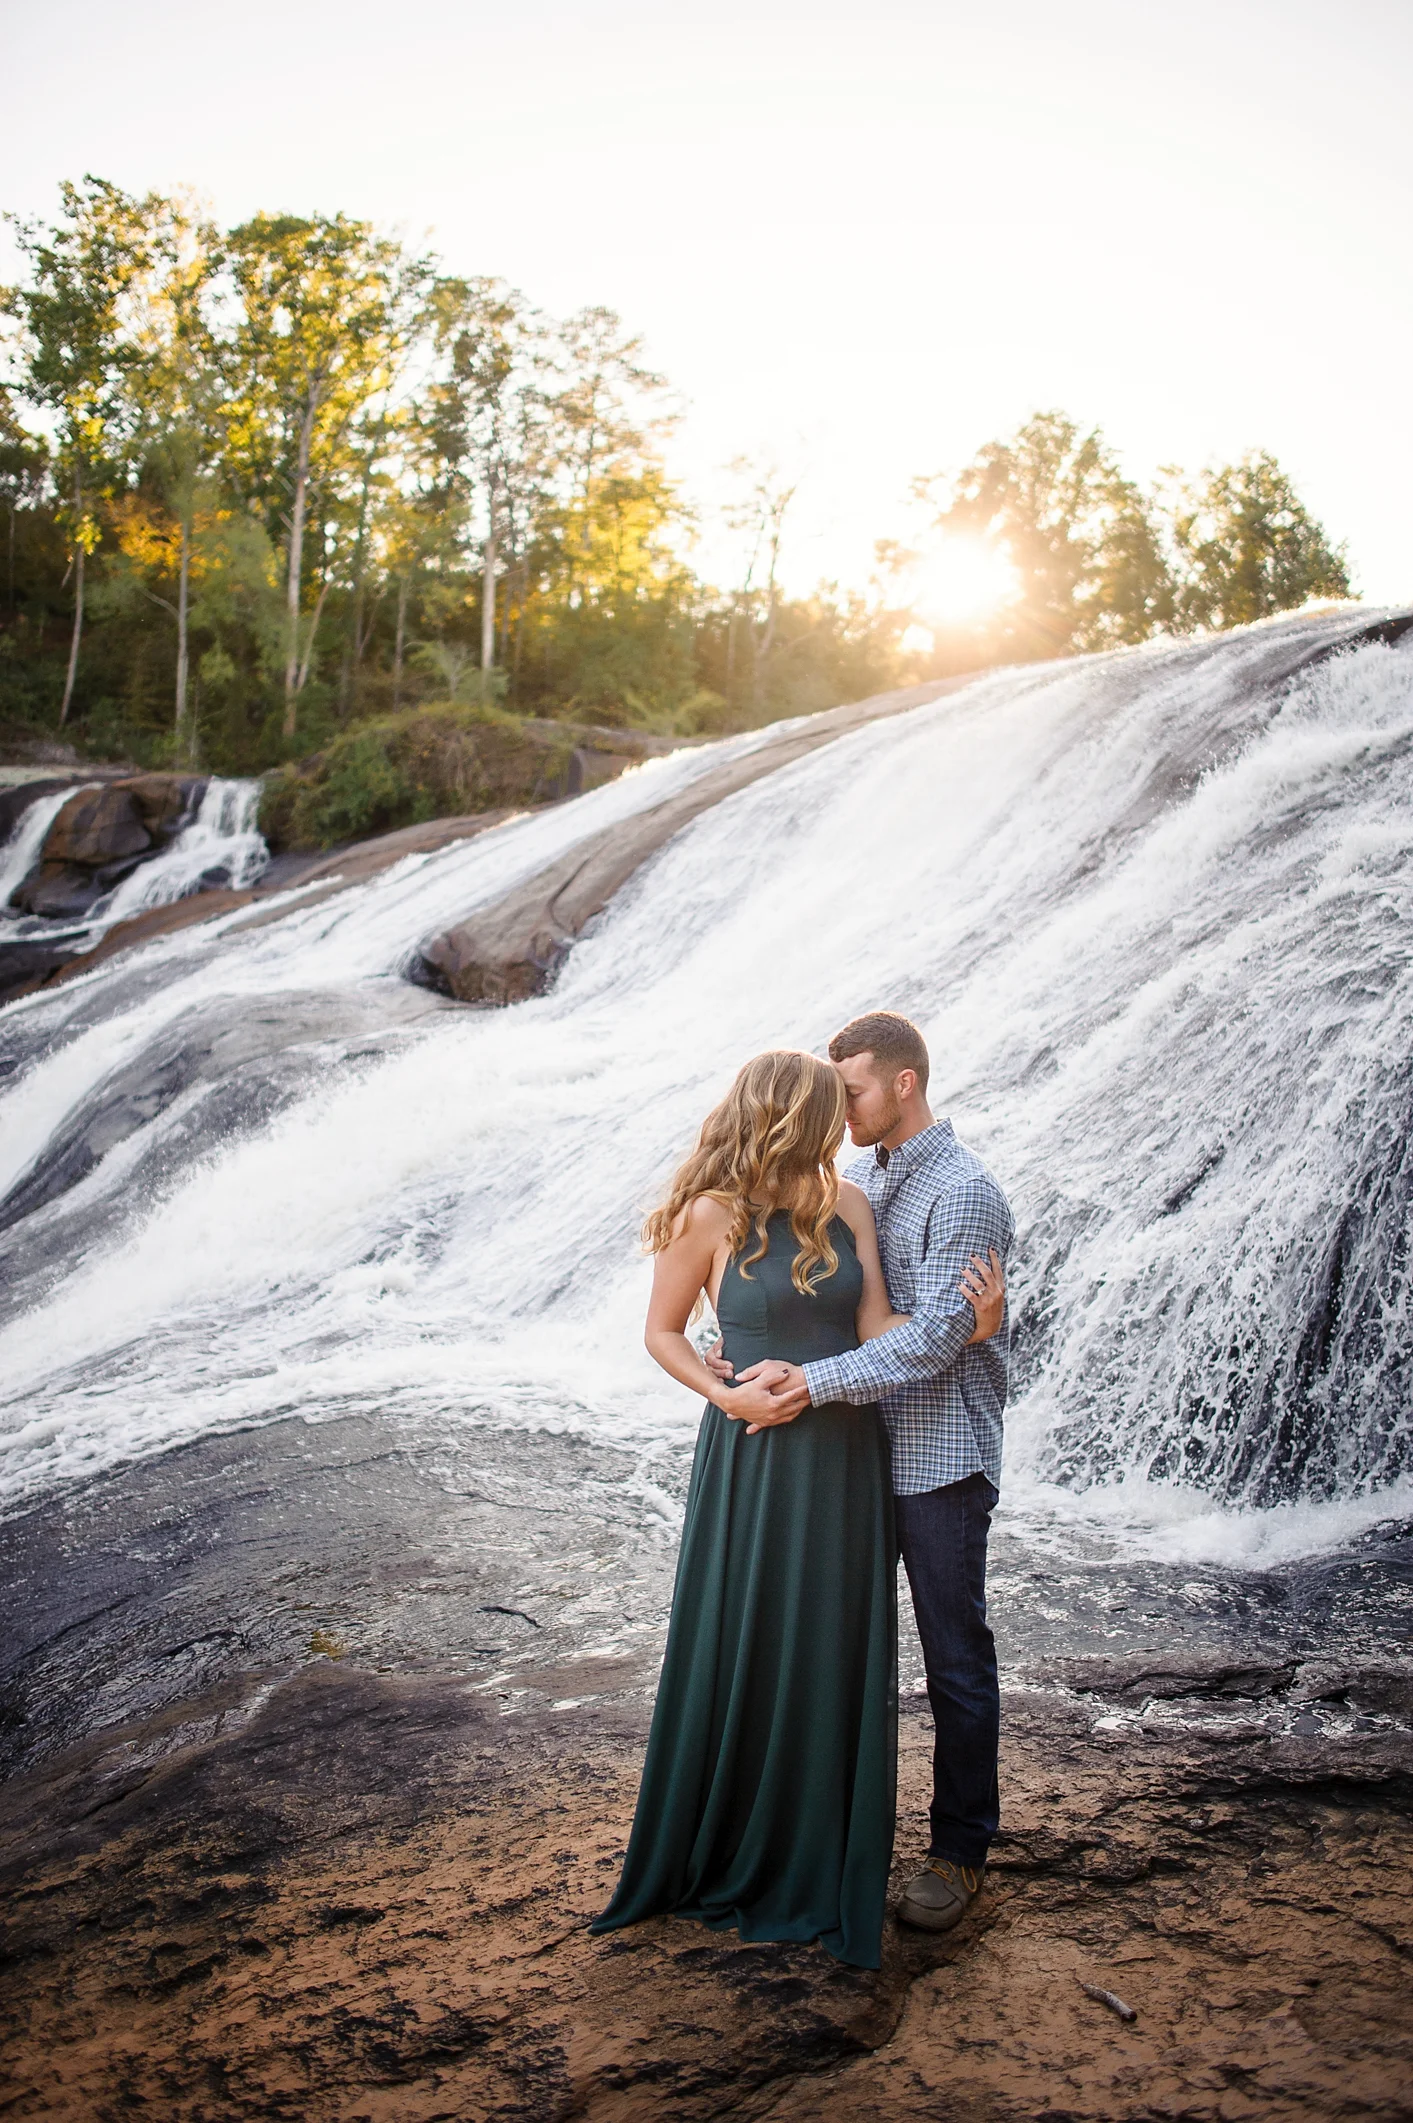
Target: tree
pixel 1246 546
pixel 601 403
pixel 1080 537
pixel 176 386
pixel 24 476
pixel 317 339
pixel 760 514
pixel 487 426
pixel 78 353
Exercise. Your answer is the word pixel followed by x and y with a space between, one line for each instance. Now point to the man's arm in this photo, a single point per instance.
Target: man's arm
pixel 972 1219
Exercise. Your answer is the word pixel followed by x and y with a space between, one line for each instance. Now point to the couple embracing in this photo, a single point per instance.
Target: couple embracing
pixel 839 1433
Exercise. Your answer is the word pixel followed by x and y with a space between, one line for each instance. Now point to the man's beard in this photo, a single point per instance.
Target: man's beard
pixel 865 1138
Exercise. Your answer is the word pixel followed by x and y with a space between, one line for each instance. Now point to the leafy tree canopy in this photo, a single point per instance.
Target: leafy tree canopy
pixel 264 486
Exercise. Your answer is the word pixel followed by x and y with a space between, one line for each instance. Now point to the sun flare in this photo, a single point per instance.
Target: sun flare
pixel 959 580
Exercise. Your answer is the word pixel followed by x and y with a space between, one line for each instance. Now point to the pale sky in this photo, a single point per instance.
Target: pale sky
pixel 861 240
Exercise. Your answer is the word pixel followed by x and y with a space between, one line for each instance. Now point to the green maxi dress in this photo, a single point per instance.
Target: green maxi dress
pixel 768 1793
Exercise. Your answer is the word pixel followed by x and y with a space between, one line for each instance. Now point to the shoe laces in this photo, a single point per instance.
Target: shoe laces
pixel 967 1875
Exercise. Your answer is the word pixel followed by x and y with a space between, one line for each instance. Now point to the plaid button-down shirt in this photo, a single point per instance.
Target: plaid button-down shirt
pixel 935 1204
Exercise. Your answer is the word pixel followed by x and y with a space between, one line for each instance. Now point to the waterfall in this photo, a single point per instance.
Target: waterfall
pixel 1154 912
pixel 221 846
pixel 21 851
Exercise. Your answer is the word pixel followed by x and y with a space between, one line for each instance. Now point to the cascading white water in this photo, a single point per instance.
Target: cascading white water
pixel 223 845
pixel 21 851
pixel 1155 913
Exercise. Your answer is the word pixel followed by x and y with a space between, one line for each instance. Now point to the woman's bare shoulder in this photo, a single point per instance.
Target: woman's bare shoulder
pixel 855 1206
pixel 704 1218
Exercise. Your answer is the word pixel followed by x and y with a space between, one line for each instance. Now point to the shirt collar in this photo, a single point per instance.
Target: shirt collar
pixel 918 1150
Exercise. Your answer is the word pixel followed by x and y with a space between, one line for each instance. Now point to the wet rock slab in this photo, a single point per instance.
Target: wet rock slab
pixel 324 1741
pixel 343 1895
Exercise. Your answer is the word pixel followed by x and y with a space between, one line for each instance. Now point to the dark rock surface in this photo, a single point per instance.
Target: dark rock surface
pixel 324 1741
pixel 100 836
pixel 327 872
pixel 67 772
pixel 29 963
pixel 339 1894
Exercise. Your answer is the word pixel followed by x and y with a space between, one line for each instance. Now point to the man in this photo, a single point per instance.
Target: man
pixel 936 1206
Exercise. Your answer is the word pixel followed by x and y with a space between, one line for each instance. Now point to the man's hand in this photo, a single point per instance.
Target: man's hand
pixel 715 1361
pixel 785 1392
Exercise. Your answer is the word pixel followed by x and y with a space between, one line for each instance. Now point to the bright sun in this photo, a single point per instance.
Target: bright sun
pixel 959 580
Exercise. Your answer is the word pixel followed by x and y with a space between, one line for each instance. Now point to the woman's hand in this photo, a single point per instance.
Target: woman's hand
pixel 984 1288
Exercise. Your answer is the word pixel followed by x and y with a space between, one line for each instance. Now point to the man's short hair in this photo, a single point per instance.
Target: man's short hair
pixel 894 1042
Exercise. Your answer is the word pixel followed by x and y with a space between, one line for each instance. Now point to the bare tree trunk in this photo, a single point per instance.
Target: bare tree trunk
pixel 315 617
pixel 488 605
pixel 761 644
pixel 488 588
pixel 399 641
pixel 80 556
pixel 520 624
pixel 353 627
pixel 296 564
pixel 183 599
pixel 760 650
pixel 352 630
pixel 364 632
pixel 510 574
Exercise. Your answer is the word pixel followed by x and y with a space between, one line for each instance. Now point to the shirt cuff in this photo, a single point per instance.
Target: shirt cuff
pixel 824 1380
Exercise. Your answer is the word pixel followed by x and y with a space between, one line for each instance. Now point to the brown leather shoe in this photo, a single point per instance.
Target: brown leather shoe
pixel 940 1895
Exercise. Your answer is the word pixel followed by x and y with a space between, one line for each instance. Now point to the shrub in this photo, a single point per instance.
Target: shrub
pixel 426 762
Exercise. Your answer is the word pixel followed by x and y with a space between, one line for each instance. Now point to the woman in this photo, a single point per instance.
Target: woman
pixel 767 1798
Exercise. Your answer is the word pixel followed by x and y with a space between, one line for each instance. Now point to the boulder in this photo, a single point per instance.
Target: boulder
pixel 98 826
pixel 100 835
pixel 122 819
pixel 167 802
pixel 28 965
pixel 60 891
pixel 590 766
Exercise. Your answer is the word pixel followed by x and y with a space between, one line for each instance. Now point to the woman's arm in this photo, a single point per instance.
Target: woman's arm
pixel 875 1315
pixel 982 1284
pixel 680 1273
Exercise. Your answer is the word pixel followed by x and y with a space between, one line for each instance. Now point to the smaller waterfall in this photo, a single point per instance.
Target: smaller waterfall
pixel 222 847
pixel 21 851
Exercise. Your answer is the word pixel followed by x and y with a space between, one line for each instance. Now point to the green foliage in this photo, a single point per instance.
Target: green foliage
pixel 78 354
pixel 24 460
pixel 1246 547
pixel 332 503
pixel 1100 564
pixel 431 762
pixel 1079 535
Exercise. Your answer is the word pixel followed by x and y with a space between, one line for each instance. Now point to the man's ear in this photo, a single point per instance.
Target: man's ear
pixel 904 1085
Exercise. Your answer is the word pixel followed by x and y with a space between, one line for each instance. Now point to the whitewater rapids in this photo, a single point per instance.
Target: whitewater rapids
pixel 1154 912
pixel 222 845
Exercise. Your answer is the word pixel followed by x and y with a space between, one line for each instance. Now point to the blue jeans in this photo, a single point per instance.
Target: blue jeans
pixel 942 1536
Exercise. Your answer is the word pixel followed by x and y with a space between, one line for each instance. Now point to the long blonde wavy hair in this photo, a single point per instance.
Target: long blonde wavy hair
pixel 769 1145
